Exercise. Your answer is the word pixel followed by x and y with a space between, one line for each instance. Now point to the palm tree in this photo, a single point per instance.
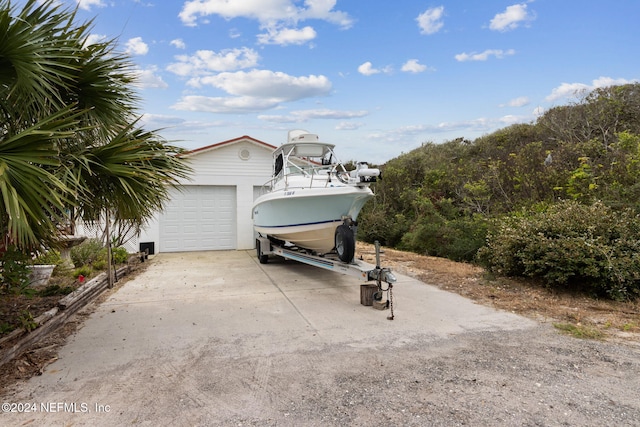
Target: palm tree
pixel 69 136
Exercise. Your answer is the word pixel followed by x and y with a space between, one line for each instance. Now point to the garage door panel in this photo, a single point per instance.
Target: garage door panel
pixel 199 218
pixel 190 229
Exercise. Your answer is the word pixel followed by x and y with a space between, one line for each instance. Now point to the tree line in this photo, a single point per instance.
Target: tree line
pixel 454 198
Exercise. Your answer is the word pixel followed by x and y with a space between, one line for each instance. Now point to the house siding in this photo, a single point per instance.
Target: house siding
pixel 223 165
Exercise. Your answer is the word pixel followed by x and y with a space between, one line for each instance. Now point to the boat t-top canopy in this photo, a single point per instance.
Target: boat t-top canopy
pixel 303 148
pixel 300 143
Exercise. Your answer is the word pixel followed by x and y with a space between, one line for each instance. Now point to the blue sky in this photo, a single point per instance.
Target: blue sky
pixel 376 78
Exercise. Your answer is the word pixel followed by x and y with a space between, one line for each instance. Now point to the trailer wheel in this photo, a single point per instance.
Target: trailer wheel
pixel 345 243
pixel 261 257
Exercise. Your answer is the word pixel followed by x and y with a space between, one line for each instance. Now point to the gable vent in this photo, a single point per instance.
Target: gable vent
pixel 244 154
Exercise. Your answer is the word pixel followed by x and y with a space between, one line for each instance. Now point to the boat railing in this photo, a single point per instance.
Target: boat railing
pixel 322 175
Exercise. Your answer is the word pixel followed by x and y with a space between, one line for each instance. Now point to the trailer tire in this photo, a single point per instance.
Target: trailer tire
pixel 345 243
pixel 261 257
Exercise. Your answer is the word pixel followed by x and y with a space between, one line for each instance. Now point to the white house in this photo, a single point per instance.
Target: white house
pixel 212 210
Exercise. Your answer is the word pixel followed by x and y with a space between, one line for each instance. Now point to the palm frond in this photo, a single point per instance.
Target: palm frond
pixel 33 198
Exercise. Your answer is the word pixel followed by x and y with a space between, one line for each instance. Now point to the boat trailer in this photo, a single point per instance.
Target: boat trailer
pixel 370 294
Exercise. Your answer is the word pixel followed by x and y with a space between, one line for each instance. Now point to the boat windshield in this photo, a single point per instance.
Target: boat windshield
pixel 305 159
pixel 307 162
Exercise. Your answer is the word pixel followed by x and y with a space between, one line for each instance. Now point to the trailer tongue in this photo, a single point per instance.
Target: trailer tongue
pixel 356 268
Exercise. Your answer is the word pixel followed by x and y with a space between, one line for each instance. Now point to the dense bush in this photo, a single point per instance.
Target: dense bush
pixel 50 257
pixel 119 255
pixel 86 253
pixel 93 253
pixel 14 270
pixel 586 247
pixel 457 239
pixel 379 225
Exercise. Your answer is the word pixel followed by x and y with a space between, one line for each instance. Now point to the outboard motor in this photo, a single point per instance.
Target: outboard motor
pixel 364 173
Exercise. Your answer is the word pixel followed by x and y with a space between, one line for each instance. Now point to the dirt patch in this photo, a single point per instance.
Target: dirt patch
pixel 14 308
pixel 575 313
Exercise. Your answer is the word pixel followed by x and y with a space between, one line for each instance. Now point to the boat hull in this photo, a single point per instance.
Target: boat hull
pixel 308 217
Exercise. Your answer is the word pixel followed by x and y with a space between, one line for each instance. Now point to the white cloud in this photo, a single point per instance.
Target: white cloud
pixel 87 4
pixel 510 119
pixel 160 120
pixel 178 43
pixel 412 66
pixel 349 125
pixel 368 70
pixel 330 114
pixel 287 36
pixel 136 46
pixel 147 78
pixel 323 10
pixel 521 101
pixel 267 12
pixel 306 115
pixel 483 56
pixel 280 118
pixel 204 62
pixel 254 91
pixel 430 21
pixel 511 18
pixel 269 85
pixel 230 105
pixel 403 134
pixel 95 39
pixel 178 125
pixel 567 90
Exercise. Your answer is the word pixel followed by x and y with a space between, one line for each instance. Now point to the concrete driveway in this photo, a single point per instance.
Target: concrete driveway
pixel 215 338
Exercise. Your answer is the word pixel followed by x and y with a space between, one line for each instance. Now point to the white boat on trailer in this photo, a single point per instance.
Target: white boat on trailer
pixel 312 202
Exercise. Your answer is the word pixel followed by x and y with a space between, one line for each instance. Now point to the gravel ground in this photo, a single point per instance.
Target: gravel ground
pixel 526 378
pixel 533 377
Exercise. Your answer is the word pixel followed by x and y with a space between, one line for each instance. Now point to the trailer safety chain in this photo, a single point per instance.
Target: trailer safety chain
pixel 390 300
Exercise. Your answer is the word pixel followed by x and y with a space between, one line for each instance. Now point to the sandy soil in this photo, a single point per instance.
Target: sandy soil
pixel 600 319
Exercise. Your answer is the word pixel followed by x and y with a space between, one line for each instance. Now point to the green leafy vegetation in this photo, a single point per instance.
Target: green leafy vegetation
pixel 27 321
pixel 50 257
pixel 579 331
pixel 555 200
pixel 590 247
pixel 84 271
pixel 87 252
pixel 14 270
pixel 90 258
pixel 71 145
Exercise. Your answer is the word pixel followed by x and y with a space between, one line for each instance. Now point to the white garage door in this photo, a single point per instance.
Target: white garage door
pixel 199 218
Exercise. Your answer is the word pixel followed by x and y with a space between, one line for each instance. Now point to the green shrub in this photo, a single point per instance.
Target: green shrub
pixel 85 271
pixel 588 247
pixel 381 226
pixel 100 264
pixel 119 255
pixel 86 252
pixel 458 239
pixel 51 257
pixel 14 270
